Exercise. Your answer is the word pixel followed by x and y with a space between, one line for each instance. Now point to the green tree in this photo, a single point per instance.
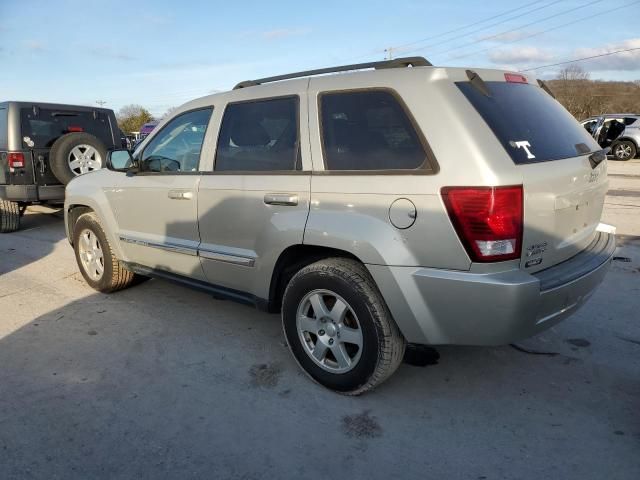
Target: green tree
pixel 132 117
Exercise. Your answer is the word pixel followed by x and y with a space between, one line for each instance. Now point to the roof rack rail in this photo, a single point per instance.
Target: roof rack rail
pixel 395 63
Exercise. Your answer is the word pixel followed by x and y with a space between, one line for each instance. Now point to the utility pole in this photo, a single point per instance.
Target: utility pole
pixel 388 53
pixel 102 103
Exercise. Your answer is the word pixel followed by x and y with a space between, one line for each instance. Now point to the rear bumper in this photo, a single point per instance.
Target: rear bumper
pixel 32 193
pixel 434 306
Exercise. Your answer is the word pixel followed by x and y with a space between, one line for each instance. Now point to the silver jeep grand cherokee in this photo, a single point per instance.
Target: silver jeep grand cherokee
pixel 399 203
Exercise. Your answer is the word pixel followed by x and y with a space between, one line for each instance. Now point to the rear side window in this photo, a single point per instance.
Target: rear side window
pixel 627 121
pixel 45 126
pixel 530 124
pixel 368 130
pixel 259 136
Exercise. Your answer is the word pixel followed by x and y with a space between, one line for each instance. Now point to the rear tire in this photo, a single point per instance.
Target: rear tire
pixel 97 263
pixel 9 216
pixel 624 150
pixel 74 154
pixel 367 342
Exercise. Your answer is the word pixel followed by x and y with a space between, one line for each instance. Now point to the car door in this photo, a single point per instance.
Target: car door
pixel 255 201
pixel 156 208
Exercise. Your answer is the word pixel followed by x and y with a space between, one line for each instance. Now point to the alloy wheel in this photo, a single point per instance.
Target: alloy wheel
pixel 91 254
pixel 329 331
pixel 623 151
pixel 84 159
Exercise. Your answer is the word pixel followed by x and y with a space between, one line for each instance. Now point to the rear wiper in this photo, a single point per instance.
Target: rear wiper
pixel 476 82
pixel 596 158
pixel 545 87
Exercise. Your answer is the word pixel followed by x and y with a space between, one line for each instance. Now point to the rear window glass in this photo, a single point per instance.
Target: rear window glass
pixel 44 126
pixel 530 124
pixel 368 130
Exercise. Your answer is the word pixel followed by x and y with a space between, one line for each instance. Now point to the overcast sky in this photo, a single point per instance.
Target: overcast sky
pixel 161 54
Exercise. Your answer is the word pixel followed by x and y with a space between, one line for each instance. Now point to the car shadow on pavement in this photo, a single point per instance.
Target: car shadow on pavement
pixel 160 381
pixel 40 229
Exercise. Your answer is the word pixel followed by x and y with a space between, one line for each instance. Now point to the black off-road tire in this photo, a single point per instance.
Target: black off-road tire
pixel 9 216
pixel 61 148
pixel 116 276
pixel 628 146
pixel 383 343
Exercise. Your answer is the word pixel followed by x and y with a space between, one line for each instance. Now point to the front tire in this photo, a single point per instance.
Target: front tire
pixel 624 150
pixel 99 267
pixel 339 328
pixel 9 216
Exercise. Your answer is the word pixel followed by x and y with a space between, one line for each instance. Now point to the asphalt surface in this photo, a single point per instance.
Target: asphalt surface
pixel 160 381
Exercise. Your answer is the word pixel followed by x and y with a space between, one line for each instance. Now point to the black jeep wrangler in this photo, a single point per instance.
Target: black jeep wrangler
pixel 43 146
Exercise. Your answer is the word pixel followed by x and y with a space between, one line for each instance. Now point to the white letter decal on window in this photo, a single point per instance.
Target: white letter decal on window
pixel 526 145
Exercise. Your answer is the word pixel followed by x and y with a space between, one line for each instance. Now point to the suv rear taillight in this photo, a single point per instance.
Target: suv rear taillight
pixel 488 220
pixel 15 159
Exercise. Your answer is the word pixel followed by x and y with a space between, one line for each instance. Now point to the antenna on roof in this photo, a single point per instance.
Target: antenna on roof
pixel 394 63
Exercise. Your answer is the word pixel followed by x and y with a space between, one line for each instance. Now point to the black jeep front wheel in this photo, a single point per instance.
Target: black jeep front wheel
pixel 9 216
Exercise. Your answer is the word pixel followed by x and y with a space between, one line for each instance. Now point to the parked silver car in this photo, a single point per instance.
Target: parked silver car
pixel 373 208
pixel 618 131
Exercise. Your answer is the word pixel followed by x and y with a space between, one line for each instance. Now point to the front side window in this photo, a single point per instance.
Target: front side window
pixel 259 136
pixel 368 130
pixel 177 147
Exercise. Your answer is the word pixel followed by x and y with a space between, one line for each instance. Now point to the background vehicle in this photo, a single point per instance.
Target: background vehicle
pixel 619 131
pixel 43 146
pixel 341 201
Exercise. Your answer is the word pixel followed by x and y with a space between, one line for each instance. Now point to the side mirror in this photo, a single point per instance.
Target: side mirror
pixel 120 160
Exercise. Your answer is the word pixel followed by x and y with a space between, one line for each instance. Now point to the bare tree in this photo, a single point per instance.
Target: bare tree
pixel 573 91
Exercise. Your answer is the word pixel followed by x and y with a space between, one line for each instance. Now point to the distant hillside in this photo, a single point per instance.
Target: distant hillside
pixel 584 97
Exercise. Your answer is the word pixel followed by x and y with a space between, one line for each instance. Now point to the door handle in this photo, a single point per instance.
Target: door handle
pixel 180 194
pixel 281 199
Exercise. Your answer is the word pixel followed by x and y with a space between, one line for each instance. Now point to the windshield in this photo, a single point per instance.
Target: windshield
pixel 530 124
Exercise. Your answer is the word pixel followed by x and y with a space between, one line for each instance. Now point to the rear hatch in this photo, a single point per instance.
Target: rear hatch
pixel 41 127
pixel 563 189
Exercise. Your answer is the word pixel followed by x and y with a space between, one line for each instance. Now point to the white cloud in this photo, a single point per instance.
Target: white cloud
pixel 628 61
pixel 35 46
pixel 507 37
pixel 103 51
pixel 519 55
pixel 284 33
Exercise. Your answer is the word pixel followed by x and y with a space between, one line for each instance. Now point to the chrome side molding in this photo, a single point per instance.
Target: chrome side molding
pixel 193 251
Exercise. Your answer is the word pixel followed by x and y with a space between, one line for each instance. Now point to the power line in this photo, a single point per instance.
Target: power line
pixel 597 14
pixel 465 26
pixel 547 5
pixel 581 59
pixel 564 12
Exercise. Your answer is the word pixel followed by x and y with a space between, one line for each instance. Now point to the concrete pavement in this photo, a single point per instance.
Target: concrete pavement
pixel 160 381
